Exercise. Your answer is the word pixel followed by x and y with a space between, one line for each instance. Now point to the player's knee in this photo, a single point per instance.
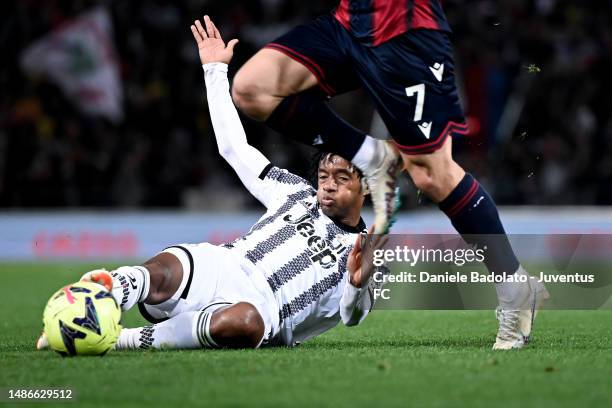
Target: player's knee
pixel 238 326
pixel 424 181
pixel 434 186
pixel 253 325
pixel 435 177
pixel 165 273
pixel 242 92
pixel 245 94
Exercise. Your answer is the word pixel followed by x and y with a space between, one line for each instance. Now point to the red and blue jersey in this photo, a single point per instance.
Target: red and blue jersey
pixel 376 21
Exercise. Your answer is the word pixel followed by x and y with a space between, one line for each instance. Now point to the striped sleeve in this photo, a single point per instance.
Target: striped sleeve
pixel 279 183
pixel 356 303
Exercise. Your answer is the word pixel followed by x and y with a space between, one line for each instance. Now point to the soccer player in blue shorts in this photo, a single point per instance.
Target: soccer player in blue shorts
pixel 400 54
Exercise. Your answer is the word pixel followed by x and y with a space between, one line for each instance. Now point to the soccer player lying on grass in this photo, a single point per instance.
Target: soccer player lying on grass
pixel 294 275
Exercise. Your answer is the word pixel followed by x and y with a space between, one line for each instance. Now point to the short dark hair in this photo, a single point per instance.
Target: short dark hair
pixel 320 157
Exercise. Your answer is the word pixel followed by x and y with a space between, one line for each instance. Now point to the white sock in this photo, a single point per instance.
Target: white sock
pixel 187 330
pixel 369 155
pixel 512 295
pixel 130 285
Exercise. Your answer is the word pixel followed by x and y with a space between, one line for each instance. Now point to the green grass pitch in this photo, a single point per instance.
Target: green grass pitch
pixel 396 358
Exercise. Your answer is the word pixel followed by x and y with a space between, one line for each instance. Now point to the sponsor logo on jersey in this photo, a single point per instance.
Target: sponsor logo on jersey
pixel 322 252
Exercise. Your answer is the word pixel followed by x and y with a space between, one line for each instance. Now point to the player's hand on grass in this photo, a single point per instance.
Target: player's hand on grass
pixel 360 259
pixel 211 46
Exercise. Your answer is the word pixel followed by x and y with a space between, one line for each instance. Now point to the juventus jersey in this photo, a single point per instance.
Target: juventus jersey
pixel 302 253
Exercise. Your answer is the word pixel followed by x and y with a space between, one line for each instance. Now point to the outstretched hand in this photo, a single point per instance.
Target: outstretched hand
pixel 211 46
pixel 360 259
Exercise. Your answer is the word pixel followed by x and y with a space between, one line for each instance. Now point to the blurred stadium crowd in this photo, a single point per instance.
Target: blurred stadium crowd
pixel 535 78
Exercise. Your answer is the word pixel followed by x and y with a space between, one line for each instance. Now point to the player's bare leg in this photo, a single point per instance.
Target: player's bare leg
pixel 275 88
pixel 474 214
pixel 265 80
pixel 436 174
pixel 231 326
pixel 153 282
pixel 235 326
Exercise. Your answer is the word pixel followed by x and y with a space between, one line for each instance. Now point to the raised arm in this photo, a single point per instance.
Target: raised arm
pixel 246 161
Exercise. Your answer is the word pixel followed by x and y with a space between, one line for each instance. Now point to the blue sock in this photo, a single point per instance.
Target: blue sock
pixel 307 118
pixel 474 215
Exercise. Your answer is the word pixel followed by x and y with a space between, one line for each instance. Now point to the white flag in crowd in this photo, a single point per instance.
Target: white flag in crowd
pixel 80 57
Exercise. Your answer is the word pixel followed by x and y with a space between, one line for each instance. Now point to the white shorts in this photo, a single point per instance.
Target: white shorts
pixel 214 277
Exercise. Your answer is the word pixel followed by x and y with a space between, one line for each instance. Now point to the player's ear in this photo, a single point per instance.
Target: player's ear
pixel 365 188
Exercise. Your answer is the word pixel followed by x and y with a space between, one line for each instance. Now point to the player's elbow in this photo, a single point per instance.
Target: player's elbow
pixel 225 150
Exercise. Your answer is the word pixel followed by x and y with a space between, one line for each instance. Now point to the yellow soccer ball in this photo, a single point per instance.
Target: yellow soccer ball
pixel 82 319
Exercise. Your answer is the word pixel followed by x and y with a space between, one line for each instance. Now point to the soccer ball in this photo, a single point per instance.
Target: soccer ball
pixel 82 319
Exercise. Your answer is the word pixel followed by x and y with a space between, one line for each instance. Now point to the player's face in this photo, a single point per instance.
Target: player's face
pixel 339 192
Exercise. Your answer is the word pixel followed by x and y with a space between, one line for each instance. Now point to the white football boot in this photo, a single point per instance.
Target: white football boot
pixel 42 343
pixel 382 182
pixel 515 325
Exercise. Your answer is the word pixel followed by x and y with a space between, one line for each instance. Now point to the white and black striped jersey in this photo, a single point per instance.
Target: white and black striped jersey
pixel 302 253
